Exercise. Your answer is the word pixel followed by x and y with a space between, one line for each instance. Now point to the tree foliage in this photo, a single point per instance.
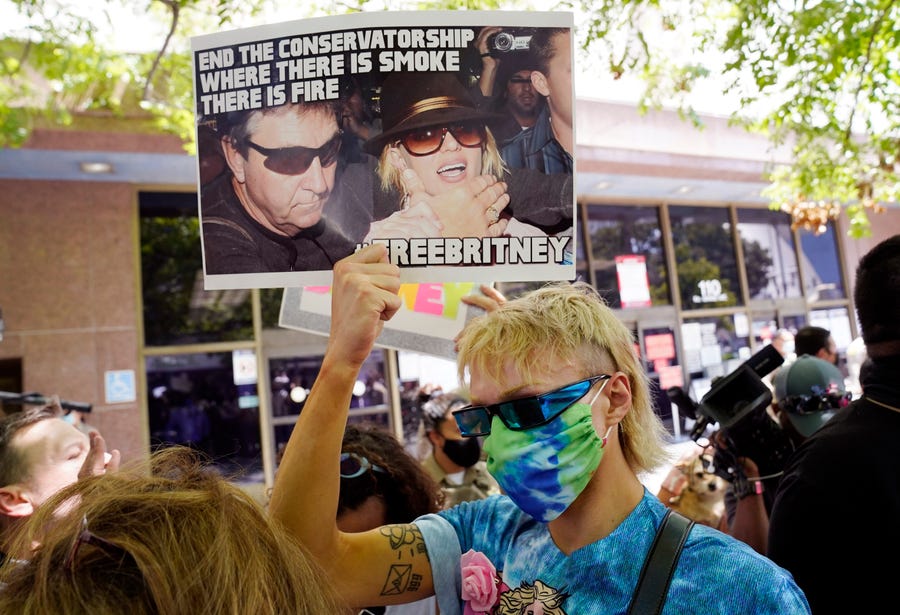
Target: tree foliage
pixel 821 77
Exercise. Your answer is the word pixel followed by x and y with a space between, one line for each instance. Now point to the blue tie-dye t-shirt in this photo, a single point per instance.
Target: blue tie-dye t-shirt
pixel 715 573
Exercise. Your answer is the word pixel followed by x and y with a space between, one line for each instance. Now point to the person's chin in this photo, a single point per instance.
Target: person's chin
pixel 307 215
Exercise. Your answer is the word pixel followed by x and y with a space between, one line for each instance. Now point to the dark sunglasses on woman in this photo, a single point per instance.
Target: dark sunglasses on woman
pixel 425 141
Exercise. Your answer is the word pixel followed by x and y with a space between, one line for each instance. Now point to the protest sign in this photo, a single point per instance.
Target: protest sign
pixel 428 320
pixel 318 136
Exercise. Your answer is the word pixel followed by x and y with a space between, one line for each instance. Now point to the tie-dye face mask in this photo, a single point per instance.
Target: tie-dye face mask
pixel 543 469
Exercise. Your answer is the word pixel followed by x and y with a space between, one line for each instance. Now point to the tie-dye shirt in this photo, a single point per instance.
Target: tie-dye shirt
pixel 715 573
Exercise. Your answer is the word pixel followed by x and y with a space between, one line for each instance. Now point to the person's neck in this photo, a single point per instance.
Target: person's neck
pixel 562 131
pixel 444 462
pixel 252 210
pixel 604 504
pixel 525 120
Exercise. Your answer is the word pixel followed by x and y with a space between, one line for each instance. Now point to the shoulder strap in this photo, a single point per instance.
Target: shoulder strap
pixel 653 584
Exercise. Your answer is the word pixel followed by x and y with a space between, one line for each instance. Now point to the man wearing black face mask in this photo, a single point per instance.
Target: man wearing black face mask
pixel 455 462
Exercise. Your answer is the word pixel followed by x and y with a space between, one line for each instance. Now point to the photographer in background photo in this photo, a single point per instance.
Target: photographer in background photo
pixel 549 145
pixel 834 521
pixel 504 82
pixel 808 392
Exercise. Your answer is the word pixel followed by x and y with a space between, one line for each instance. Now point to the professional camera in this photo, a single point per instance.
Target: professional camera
pixel 738 402
pixel 505 42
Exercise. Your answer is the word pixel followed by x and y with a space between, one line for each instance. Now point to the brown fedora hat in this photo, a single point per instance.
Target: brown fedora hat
pixel 417 100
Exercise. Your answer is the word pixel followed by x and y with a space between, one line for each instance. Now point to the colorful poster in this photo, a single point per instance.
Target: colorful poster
pixel 432 132
pixel 428 321
pixel 634 284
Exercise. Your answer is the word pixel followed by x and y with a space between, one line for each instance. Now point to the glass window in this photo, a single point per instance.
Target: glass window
pixel 837 321
pixel 821 267
pixel 209 402
pixel 705 257
pixel 713 347
pixel 769 256
pixel 293 377
pixel 660 356
pixel 270 304
pixel 176 308
pixel 628 256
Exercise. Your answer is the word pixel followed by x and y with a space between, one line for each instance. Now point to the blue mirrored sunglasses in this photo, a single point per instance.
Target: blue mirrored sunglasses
pixel 353 465
pixel 525 412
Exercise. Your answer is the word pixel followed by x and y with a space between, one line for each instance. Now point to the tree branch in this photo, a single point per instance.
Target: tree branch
pixel 173 6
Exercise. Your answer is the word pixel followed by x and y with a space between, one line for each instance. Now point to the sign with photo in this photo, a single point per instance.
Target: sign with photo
pixel 432 132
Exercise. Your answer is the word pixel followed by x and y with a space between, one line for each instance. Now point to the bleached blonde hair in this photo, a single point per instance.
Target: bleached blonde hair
pixel 567 323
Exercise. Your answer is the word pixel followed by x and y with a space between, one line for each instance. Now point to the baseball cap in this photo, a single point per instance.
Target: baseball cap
pixel 810 390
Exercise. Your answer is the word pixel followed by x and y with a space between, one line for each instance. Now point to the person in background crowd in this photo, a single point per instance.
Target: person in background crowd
pixel 834 520
pixel 565 405
pixel 808 392
pixel 174 538
pixel 455 462
pixel 40 453
pixel 549 145
pixel 381 483
pixel 783 342
pixel 816 342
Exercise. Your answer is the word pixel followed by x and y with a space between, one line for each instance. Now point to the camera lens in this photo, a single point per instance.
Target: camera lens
pixel 502 41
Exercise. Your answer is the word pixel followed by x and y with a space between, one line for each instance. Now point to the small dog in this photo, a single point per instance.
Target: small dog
pixel 693 491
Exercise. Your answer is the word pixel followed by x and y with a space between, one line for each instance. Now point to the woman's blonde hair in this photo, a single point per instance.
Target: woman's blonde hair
pixel 567 324
pixel 491 163
pixel 175 539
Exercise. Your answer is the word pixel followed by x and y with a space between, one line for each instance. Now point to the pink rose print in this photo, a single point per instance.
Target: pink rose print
pixel 481 587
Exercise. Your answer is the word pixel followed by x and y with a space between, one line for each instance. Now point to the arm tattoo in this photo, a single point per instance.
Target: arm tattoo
pixel 406 541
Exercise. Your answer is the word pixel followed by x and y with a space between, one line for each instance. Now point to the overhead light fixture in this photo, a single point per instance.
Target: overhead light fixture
pixel 96 168
pixel 602 185
pixel 684 189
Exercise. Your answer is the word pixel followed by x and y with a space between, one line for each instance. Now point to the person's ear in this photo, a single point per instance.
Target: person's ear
pixel 433 437
pixel 15 502
pixel 539 83
pixel 234 159
pixel 618 390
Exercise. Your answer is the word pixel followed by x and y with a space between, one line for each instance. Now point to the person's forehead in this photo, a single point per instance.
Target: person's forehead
pixel 47 437
pixel 295 119
pixel 512 383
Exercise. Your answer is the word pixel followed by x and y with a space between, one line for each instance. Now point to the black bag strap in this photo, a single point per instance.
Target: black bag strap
pixel 653 584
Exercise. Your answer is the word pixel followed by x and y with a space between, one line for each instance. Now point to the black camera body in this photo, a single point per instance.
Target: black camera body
pixel 508 41
pixel 738 402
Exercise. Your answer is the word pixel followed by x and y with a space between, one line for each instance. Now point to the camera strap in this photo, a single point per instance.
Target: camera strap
pixel 656 574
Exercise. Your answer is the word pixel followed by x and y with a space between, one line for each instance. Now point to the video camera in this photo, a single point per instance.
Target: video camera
pixel 505 42
pixel 738 402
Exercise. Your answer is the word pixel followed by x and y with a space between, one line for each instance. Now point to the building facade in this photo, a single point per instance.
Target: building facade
pixel 102 300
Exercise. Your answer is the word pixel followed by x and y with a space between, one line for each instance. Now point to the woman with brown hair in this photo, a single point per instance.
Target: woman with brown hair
pixel 174 538
pixel 381 483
